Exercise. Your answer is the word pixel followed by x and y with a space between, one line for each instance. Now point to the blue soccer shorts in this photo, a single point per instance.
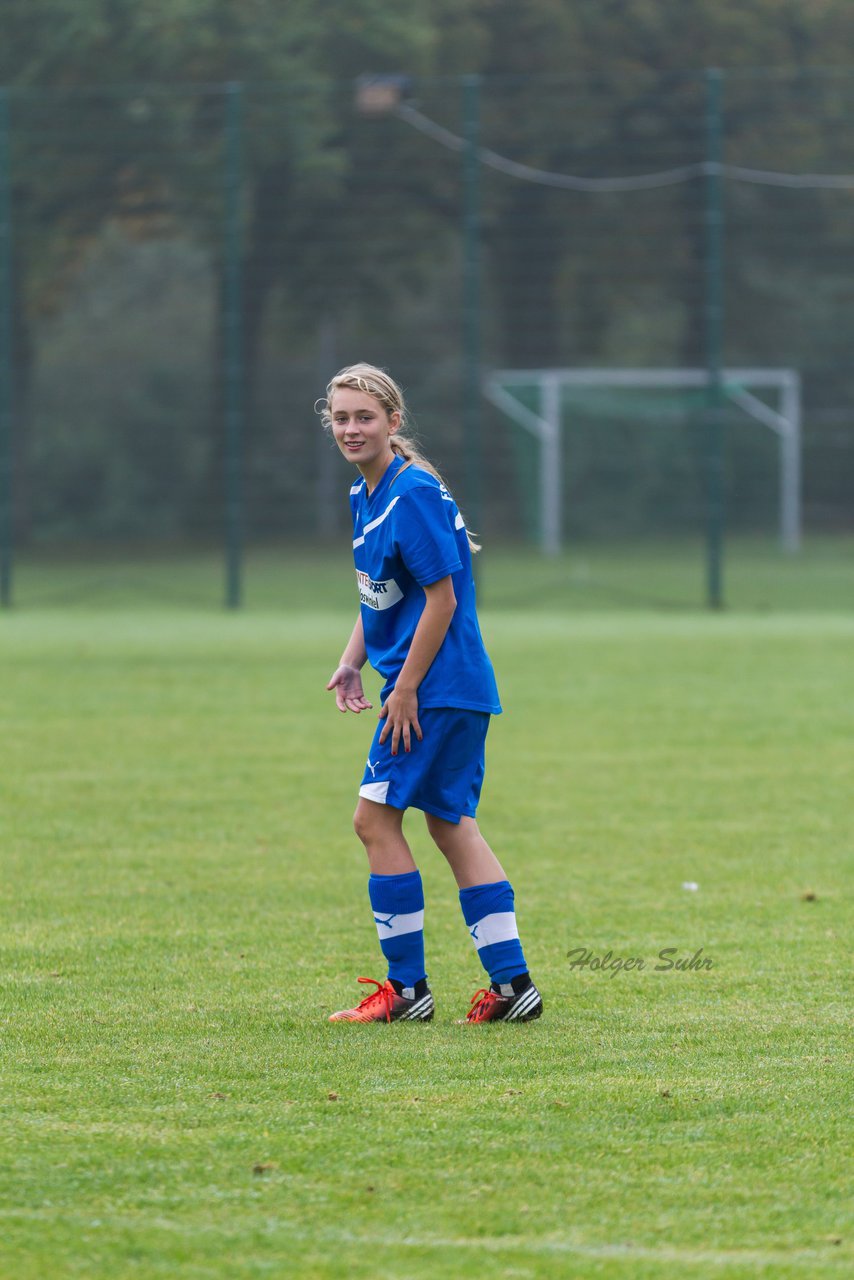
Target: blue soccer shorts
pixel 442 774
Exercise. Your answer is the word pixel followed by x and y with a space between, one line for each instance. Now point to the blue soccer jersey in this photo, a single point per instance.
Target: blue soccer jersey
pixel 408 534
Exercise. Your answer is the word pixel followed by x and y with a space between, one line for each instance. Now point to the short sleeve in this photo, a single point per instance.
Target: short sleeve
pixel 424 538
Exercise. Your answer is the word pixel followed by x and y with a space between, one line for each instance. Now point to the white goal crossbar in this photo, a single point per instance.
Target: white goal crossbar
pixel 738 386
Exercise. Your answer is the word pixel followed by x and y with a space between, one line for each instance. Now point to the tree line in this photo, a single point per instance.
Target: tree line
pixel 351 240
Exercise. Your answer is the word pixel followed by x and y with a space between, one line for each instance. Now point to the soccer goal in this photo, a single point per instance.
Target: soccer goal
pixel 503 388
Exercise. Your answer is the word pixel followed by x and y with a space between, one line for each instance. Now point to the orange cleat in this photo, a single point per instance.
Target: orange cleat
pixel 385 1005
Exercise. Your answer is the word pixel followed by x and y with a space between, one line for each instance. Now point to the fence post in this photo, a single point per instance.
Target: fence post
pixel 472 390
pixel 6 360
pixel 233 343
pixel 327 476
pixel 714 307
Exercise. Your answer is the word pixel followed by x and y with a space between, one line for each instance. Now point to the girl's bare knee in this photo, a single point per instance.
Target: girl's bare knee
pixel 373 822
pixel 362 823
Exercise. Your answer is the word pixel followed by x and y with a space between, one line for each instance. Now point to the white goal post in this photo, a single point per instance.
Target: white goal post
pixel 738 386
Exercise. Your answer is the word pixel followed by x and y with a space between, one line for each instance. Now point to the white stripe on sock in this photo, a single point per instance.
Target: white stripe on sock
pixel 500 926
pixel 393 924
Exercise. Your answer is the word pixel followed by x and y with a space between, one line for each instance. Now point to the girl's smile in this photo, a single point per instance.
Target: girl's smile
pixel 362 431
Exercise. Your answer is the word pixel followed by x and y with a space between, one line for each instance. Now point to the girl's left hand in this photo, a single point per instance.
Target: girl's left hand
pixel 349 695
pixel 401 716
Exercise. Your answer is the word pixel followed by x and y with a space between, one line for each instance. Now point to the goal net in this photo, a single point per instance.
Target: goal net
pixel 544 403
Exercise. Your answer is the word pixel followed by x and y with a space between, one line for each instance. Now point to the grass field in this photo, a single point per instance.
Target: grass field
pixel 183 902
pixel 659 576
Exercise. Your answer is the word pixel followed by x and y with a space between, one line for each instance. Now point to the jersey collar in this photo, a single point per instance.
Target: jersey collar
pixel 387 477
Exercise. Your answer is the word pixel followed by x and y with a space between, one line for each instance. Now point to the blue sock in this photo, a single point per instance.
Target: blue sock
pixel 398 903
pixel 491 918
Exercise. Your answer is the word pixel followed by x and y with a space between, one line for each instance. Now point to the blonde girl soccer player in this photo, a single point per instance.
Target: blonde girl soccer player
pixel 418 627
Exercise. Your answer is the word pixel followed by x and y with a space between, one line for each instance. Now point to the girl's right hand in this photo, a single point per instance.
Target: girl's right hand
pixel 349 695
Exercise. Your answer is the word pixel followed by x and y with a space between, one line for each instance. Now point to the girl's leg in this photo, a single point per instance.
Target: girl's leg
pixel 487 902
pixel 469 856
pixel 397 897
pixel 380 829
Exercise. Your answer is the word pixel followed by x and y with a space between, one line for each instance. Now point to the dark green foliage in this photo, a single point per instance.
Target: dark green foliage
pixel 352 247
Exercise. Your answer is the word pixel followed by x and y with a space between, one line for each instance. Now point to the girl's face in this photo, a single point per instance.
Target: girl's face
pixel 362 428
